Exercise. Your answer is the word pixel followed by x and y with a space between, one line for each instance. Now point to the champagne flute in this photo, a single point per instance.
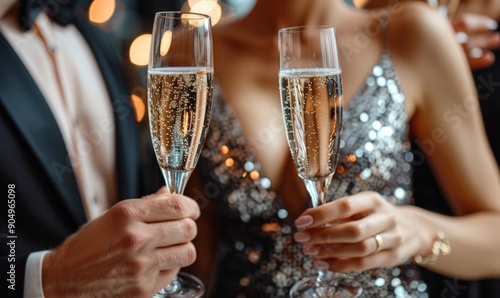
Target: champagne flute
pixel 180 84
pixel 311 99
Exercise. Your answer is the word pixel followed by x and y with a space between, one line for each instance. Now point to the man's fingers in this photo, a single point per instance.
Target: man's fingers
pixel 174 232
pixel 156 208
pixel 173 257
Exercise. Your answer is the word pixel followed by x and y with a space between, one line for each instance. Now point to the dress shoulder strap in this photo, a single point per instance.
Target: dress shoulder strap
pixel 384 22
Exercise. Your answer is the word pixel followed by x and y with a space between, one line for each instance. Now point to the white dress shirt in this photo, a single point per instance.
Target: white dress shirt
pixel 63 66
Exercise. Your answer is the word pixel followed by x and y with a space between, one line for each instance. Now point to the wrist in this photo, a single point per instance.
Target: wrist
pixel 50 282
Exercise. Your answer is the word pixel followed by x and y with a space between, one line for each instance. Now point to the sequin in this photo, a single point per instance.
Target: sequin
pixel 249 166
pixel 364 117
pixel 378 70
pixel 282 213
pixel 259 257
pixel 380 282
pixel 381 81
pixel 265 183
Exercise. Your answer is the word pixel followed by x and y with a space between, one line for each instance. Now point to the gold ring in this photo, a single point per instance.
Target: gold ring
pixel 379 241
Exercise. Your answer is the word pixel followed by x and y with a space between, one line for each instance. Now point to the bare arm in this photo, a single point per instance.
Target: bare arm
pixel 447 119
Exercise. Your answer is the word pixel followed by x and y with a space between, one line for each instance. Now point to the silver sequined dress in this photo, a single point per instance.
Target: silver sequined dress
pixel 259 257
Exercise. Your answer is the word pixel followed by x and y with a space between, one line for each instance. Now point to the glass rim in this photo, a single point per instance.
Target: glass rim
pixel 306 28
pixel 177 15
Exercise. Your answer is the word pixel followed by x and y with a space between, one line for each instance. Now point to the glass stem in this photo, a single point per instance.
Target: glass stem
pixel 171 288
pixel 317 190
pixel 324 276
pixel 175 180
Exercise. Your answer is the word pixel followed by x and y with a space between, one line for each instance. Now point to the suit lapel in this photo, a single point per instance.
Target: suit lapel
pixel 24 102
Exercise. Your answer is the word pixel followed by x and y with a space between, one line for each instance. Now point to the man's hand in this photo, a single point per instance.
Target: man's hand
pixel 133 250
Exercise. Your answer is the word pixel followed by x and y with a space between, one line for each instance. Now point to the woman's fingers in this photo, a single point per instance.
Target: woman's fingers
pixel 483 41
pixel 385 258
pixel 472 23
pixel 366 247
pixel 486 59
pixel 349 232
pixel 476 33
pixel 340 209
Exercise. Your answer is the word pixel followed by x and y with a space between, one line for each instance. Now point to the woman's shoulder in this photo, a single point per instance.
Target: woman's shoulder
pixel 414 29
pixel 422 46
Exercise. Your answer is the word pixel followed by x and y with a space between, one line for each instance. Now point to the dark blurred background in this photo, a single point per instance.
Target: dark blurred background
pixel 129 24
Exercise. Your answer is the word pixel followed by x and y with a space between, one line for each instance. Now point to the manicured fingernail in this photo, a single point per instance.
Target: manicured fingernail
pixel 321 265
pixel 301 237
pixel 303 221
pixel 475 52
pixel 311 250
pixel 461 37
pixel 492 24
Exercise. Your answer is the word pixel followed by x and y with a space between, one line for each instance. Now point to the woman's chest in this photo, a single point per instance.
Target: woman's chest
pixel 255 101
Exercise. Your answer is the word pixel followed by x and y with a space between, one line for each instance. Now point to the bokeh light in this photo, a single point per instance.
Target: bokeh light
pixel 166 41
pixel 191 3
pixel 139 107
pixel 139 50
pixel 101 11
pixel 359 3
pixel 210 8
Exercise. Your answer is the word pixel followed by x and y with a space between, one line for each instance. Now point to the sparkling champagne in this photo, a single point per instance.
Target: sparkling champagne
pixel 178 108
pixel 312 109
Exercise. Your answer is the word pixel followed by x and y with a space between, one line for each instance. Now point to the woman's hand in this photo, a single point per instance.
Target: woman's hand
pixel 342 235
pixel 476 33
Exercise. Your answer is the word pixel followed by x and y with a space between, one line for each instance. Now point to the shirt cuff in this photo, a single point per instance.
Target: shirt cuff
pixel 33 277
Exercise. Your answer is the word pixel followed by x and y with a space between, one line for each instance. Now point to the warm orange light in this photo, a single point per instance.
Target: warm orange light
pixel 229 162
pixel 193 20
pixel 101 11
pixel 224 149
pixel 210 8
pixel 254 175
pixel 166 41
pixel 359 3
pixel 271 227
pixel 139 50
pixel 193 2
pixel 139 107
pixel 340 169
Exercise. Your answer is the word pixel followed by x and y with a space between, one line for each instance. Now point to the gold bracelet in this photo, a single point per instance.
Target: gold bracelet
pixel 441 247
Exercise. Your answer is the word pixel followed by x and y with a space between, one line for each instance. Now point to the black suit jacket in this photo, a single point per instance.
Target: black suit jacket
pixel 33 157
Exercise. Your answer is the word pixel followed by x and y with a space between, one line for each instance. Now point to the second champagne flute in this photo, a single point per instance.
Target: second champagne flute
pixel 311 99
pixel 180 86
